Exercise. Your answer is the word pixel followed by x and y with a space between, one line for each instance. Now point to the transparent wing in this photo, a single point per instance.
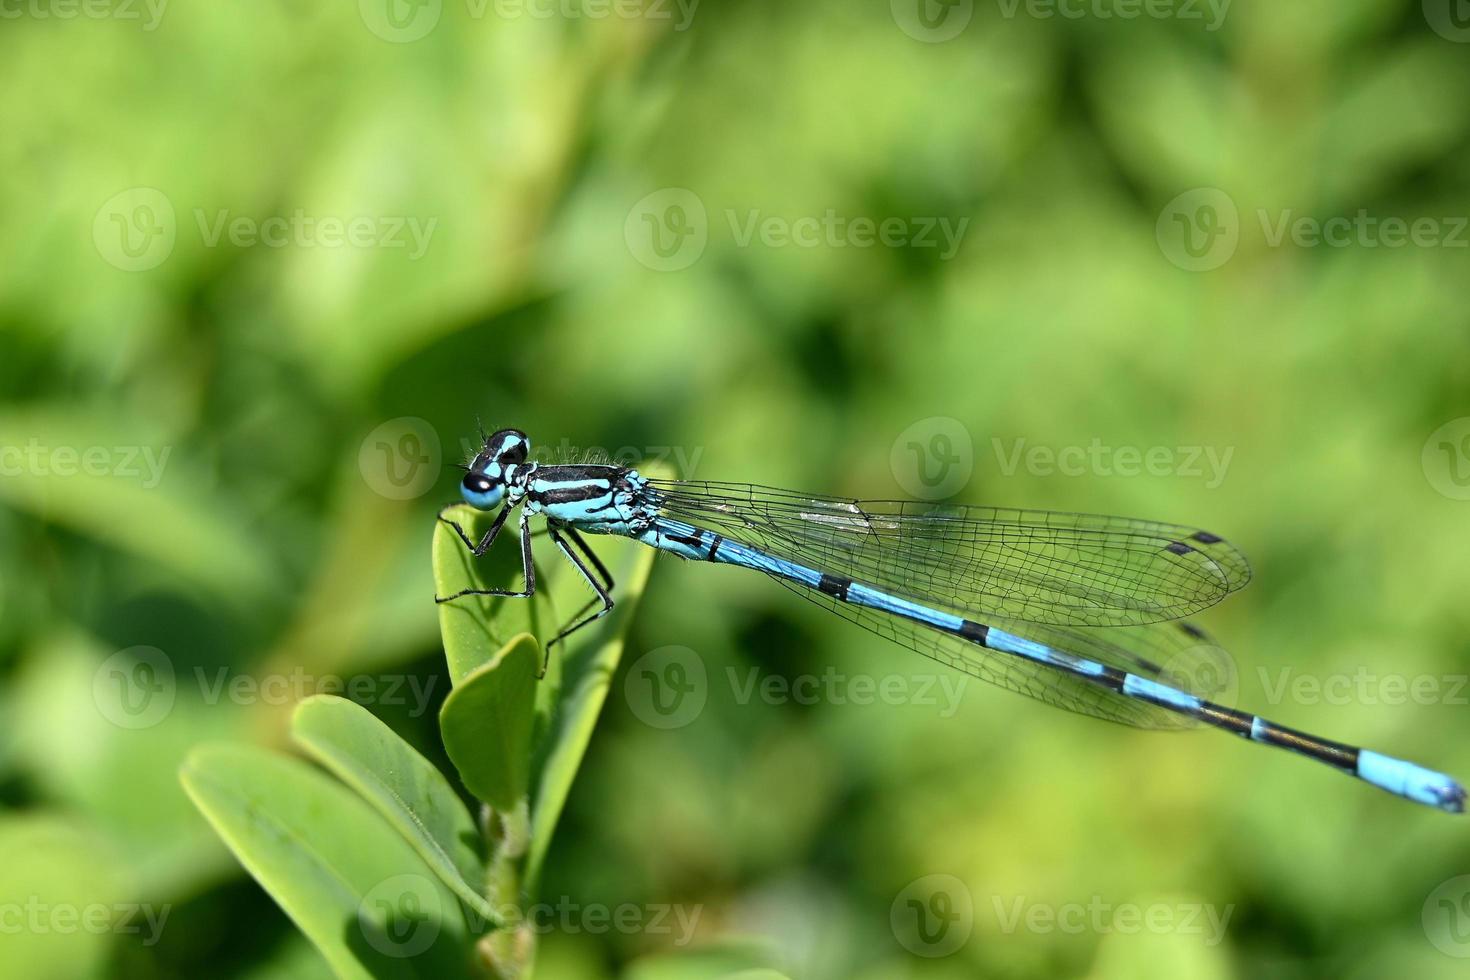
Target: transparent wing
pixel 1176 653
pixel 1039 567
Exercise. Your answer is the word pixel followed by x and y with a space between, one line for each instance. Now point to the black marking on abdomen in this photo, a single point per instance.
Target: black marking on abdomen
pixel 834 585
pixel 1239 722
pixel 714 546
pixel 975 632
pixel 1344 757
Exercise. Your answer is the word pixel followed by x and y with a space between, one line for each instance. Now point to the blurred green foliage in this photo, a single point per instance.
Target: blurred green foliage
pixel 300 249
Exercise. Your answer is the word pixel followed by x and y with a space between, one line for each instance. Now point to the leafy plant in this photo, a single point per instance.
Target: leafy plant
pixel 384 867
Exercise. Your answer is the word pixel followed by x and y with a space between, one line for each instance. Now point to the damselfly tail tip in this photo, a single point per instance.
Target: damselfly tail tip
pixel 1412 782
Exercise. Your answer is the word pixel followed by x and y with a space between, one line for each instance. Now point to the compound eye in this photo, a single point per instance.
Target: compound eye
pixel 510 446
pixel 480 492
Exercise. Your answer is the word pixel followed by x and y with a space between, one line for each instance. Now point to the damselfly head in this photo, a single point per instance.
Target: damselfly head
pixel 492 471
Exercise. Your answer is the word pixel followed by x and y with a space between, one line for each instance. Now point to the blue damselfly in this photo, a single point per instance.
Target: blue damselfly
pixel 1080 611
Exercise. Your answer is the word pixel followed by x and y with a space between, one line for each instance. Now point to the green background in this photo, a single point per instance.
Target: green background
pixel 296 383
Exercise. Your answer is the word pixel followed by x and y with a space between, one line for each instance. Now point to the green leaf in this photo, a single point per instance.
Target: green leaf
pixel 357 889
pixel 590 661
pixel 403 786
pixel 486 723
